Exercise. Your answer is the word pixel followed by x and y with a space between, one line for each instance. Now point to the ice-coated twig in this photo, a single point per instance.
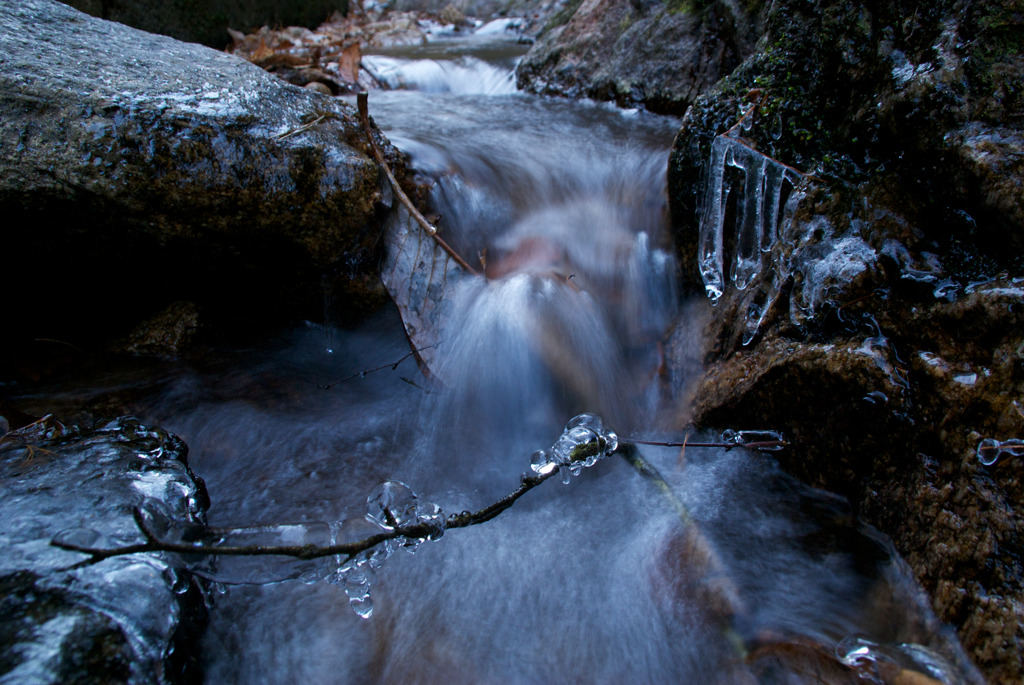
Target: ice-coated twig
pixel 417 530
pixel 763 445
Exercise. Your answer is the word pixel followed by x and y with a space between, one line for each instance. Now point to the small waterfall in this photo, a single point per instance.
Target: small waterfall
pixel 465 75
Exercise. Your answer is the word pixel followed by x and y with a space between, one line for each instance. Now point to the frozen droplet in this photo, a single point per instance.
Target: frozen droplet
pixel 582 444
pixel 357 528
pixel 434 518
pixel 857 652
pixel 990 450
pixel 770 441
pixel 181 581
pixel 363 607
pixel 159 523
pixel 391 504
pixel 591 421
pixel 542 463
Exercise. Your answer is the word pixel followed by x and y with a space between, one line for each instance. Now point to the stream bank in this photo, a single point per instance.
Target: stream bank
pixel 863 245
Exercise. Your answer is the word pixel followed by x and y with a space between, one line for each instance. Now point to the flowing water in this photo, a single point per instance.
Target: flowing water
pixel 721 572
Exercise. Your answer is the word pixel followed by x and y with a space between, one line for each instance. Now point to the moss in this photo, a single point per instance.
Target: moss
pixel 996 66
pixel 562 16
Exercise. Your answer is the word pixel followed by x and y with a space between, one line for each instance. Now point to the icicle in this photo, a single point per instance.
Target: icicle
pixel 759 214
pixel 709 249
pixel 747 261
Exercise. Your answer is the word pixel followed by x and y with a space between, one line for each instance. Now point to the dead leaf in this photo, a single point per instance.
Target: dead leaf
pixel 420 277
pixel 348 63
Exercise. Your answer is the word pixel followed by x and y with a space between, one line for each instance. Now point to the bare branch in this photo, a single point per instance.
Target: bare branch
pixel 416 530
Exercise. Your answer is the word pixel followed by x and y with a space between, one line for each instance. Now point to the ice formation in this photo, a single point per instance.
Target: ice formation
pixel 391 505
pixel 583 443
pixel 907 661
pixel 990 449
pixel 759 210
pixel 765 440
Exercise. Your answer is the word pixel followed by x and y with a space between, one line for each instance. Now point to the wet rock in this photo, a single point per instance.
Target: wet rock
pixel 658 55
pixel 533 13
pixel 208 22
pixel 130 619
pixel 872 311
pixel 153 169
pixel 991 175
pixel 166 334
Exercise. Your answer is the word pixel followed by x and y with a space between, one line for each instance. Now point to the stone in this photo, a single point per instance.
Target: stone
pixel 656 55
pixel 150 169
pixel 166 334
pixel 128 619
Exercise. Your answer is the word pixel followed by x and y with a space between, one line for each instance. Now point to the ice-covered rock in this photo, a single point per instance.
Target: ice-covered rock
pixel 124 619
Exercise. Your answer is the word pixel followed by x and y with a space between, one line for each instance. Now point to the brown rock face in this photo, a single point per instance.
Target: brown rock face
pixel 864 243
pixel 658 55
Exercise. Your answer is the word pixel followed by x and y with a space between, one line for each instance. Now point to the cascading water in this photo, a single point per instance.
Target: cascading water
pixel 616 577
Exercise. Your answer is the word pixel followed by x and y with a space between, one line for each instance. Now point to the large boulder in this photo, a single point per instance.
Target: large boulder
pixel 862 244
pixel 136 170
pixel 124 619
pixel 656 54
pixel 208 21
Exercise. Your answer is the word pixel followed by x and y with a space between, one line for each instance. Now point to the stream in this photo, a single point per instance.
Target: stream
pixel 724 569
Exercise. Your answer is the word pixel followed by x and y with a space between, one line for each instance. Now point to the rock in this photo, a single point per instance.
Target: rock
pixel 864 247
pixel 128 619
pixel 208 22
pixel 166 334
pixel 990 173
pixel 658 55
pixel 150 169
pixel 534 13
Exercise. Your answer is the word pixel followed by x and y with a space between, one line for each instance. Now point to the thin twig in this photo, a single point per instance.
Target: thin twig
pixel 362 374
pixel 300 129
pixel 420 219
pixel 763 444
pixel 304 552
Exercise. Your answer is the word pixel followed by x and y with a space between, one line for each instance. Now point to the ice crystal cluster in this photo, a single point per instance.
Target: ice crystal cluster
pixel 389 506
pixel 582 444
